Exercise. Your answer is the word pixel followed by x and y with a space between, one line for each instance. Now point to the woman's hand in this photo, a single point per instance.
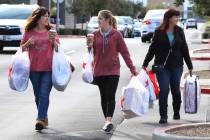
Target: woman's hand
pixel 135 73
pixel 52 34
pixel 190 72
pixel 29 42
pixel 89 41
pixel 144 68
pixel 55 46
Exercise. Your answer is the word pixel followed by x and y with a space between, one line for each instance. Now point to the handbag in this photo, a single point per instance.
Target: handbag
pixel 157 68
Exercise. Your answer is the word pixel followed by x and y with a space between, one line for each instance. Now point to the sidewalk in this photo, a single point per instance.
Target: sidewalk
pixel 141 128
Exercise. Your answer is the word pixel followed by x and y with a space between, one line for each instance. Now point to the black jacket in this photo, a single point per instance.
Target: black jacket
pixel 160 47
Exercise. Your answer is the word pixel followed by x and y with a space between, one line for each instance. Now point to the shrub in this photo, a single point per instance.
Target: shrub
pixel 205 35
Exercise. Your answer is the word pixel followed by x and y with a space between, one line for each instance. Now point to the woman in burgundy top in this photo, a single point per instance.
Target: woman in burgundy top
pixel 107 44
pixel 38 41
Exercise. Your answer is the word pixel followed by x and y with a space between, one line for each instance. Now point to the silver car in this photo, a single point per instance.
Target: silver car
pixel 128 22
pixel 121 26
pixel 12 21
pixel 92 25
pixel 151 21
pixel 191 23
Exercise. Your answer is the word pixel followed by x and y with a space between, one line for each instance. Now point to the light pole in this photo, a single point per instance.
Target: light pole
pixel 57 16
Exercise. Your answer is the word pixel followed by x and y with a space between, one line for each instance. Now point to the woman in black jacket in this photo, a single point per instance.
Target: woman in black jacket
pixel 169 47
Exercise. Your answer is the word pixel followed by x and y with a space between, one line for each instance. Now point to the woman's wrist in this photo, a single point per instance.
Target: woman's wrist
pixel 25 46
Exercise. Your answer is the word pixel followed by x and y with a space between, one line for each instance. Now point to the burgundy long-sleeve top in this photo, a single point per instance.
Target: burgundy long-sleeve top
pixel 106 54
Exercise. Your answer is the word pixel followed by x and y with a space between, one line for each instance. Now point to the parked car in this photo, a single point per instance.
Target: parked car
pixel 137 29
pixel 12 21
pixel 191 23
pixel 92 24
pixel 129 25
pixel 122 26
pixel 151 21
pixel 180 23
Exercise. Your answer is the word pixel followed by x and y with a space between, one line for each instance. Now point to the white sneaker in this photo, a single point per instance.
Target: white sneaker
pixel 108 127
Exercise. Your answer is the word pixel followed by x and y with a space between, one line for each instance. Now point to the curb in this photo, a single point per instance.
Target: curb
pixel 205 41
pixel 204 90
pixel 200 58
pixel 160 133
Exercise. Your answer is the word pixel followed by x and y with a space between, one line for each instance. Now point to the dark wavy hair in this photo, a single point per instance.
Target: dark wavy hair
pixel 168 14
pixel 32 20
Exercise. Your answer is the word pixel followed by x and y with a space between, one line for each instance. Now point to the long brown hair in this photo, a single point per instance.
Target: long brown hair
pixel 168 14
pixel 32 20
pixel 108 15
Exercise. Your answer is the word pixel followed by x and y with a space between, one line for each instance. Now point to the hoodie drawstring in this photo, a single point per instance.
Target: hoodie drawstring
pixel 105 37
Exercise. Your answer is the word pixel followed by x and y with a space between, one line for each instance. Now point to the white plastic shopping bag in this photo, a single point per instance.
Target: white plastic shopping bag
pixel 61 71
pixel 191 94
pixel 19 71
pixel 135 99
pixel 87 67
pixel 147 83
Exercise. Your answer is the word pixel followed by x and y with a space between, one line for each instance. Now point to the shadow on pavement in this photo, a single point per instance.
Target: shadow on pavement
pixel 53 134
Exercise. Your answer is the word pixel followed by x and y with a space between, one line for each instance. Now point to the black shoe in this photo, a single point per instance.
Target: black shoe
pixel 176 116
pixel 108 127
pixel 163 120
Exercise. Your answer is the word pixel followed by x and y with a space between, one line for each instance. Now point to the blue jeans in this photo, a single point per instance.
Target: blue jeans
pixel 42 85
pixel 169 78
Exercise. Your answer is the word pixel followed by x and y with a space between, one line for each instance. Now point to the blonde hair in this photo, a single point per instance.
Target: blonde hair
pixel 108 15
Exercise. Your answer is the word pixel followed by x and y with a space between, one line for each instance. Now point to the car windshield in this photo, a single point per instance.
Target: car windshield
pixel 94 20
pixel 120 21
pixel 14 12
pixel 128 20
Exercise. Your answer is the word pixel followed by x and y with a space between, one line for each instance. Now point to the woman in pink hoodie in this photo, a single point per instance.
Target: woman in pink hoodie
pixel 107 44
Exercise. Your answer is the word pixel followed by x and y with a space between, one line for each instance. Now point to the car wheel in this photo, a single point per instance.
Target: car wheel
pixel 143 40
pixel 126 33
pixel 149 40
pixel 132 35
pixel 1 48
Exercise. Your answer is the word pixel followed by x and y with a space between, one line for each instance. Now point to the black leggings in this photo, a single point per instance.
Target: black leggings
pixel 107 86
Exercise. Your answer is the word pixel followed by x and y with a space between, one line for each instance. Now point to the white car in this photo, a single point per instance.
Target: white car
pixel 92 25
pixel 12 21
pixel 191 23
pixel 151 21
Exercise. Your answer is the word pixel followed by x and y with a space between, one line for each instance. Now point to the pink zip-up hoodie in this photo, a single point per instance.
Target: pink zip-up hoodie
pixel 106 54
